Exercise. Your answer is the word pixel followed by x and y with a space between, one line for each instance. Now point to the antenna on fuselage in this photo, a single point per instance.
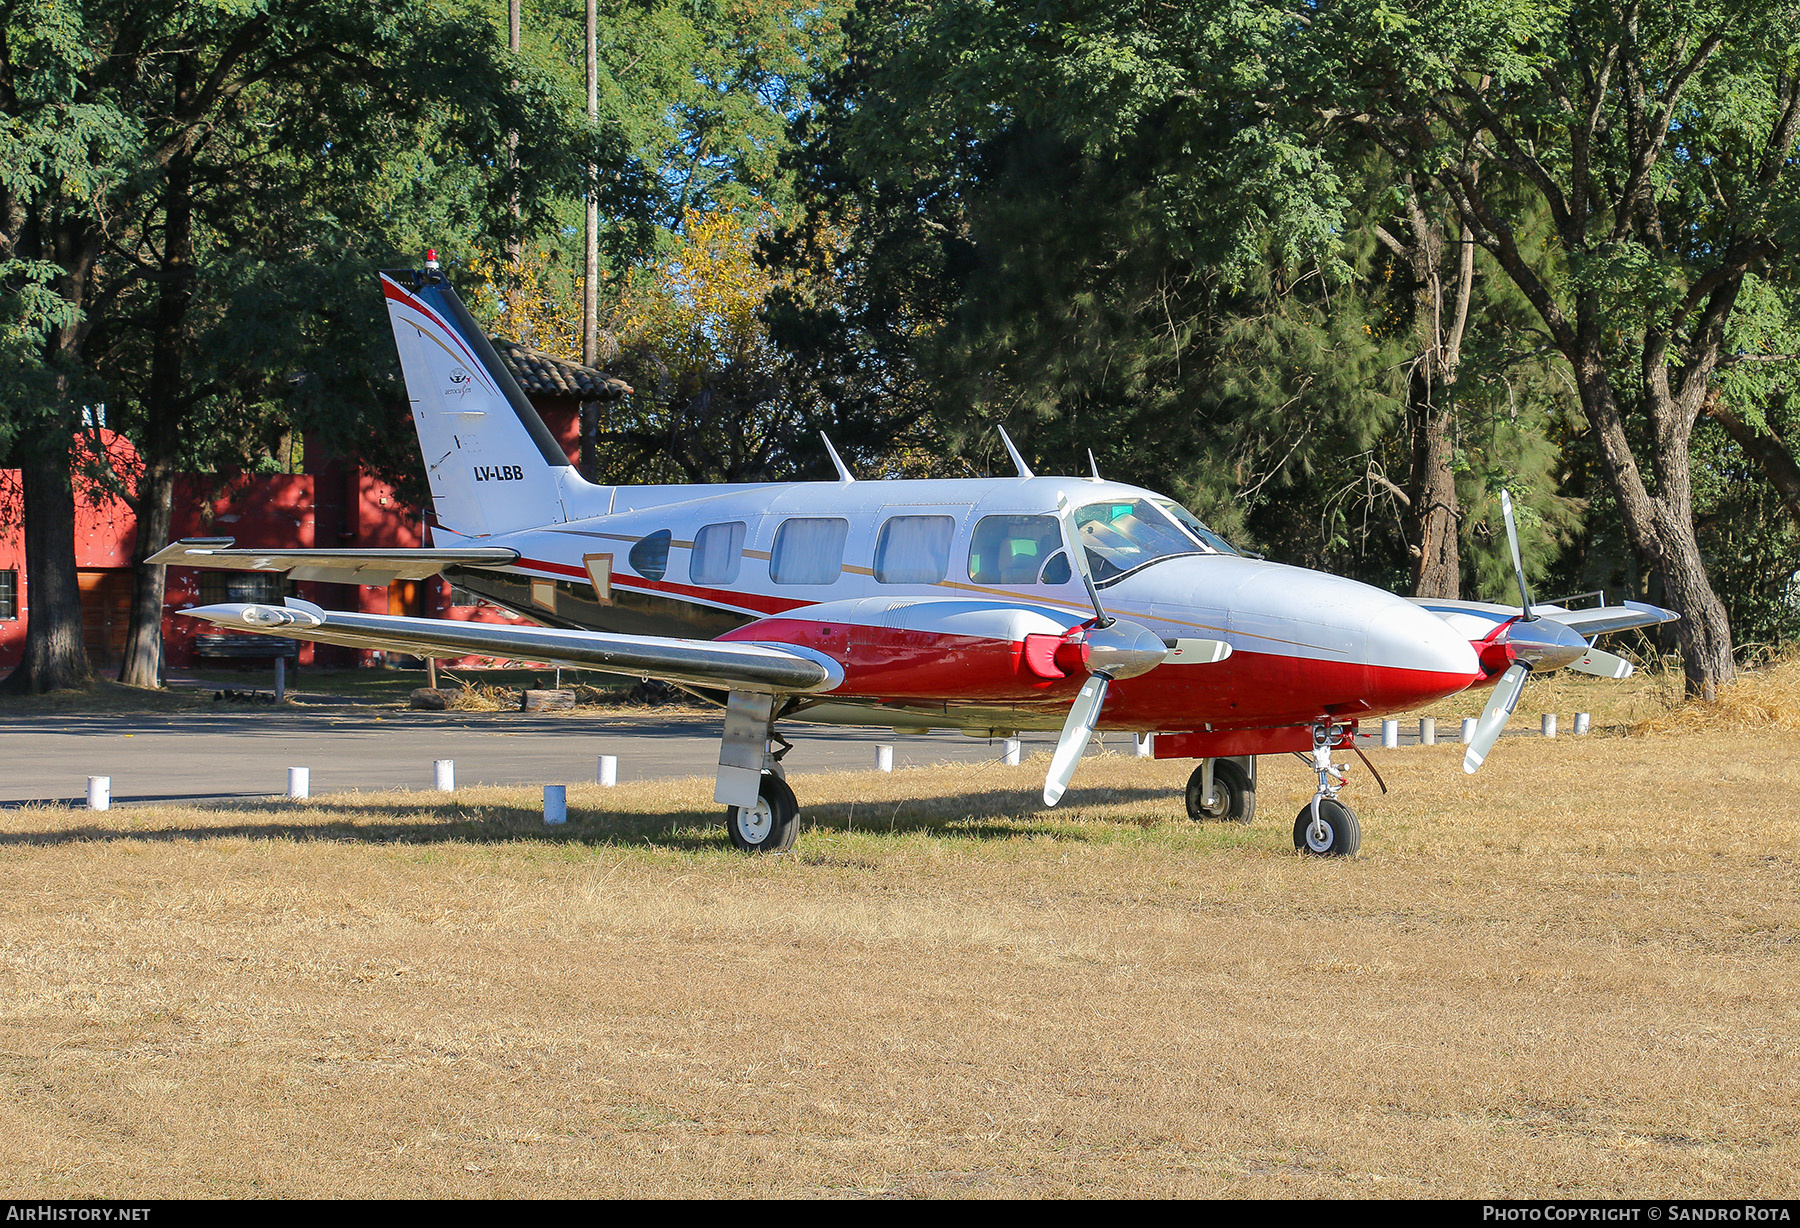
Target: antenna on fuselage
pixel 1093 465
pixel 844 474
pixel 1017 460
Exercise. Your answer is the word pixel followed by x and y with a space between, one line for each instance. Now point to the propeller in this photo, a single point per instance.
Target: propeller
pixel 1530 642
pixel 1506 694
pixel 1111 648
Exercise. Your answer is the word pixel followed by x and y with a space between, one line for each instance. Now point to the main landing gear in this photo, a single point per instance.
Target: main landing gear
pixel 1221 789
pixel 761 814
pixel 1327 827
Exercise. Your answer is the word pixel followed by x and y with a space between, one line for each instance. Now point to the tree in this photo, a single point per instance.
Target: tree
pixel 1090 222
pixel 1660 143
pixel 252 139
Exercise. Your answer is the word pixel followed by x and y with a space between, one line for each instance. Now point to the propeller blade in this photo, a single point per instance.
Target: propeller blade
pixel 1500 706
pixel 1512 539
pixel 1604 665
pixel 1083 716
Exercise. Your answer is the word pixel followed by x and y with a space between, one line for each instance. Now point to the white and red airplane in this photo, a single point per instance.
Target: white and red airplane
pixel 988 605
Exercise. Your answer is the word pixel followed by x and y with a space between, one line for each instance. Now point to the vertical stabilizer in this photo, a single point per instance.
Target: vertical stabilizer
pixel 493 465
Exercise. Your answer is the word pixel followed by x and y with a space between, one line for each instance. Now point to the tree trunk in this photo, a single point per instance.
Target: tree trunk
pixel 1434 508
pixel 164 401
pixel 55 657
pixel 143 637
pixel 1661 526
pixel 1440 315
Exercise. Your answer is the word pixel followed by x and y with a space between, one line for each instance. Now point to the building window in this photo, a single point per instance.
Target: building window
pixel 914 549
pixel 718 549
pixel 809 550
pixel 650 557
pixel 9 594
pixel 251 586
pixel 1011 549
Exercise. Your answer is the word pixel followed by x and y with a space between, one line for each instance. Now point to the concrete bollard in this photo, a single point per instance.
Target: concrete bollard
pixel 443 775
pixel 1143 745
pixel 1549 724
pixel 556 803
pixel 299 783
pixel 1427 731
pixel 1581 722
pixel 1468 730
pixel 606 771
pixel 1013 750
pixel 99 793
pixel 884 757
pixel 1390 734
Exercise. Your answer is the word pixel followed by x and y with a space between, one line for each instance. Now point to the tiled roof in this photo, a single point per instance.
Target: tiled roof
pixel 540 374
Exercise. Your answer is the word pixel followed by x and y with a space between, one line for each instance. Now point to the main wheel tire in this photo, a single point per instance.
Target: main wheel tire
pixel 1234 797
pixel 769 826
pixel 1342 835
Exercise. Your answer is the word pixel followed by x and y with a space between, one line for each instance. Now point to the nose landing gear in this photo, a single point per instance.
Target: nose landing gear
pixel 1327 827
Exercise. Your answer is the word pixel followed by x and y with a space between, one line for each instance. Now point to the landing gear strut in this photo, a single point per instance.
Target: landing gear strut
pixel 761 815
pixel 1327 827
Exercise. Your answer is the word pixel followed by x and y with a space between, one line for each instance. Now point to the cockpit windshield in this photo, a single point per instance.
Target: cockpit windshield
pixel 1198 531
pixel 1121 535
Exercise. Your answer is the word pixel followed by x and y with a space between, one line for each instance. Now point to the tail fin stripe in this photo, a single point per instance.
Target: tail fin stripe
pixel 400 296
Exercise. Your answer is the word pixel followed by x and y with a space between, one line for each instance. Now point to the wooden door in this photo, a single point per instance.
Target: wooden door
pixel 105 614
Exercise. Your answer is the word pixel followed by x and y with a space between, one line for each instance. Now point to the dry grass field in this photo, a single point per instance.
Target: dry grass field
pixel 1574 974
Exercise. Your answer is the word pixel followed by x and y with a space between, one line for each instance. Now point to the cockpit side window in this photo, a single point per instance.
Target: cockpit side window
pixel 1195 528
pixel 1121 535
pixel 1012 549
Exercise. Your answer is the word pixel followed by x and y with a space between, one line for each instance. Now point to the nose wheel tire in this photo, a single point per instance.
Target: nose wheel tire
pixel 1234 799
pixel 769 826
pixel 1341 835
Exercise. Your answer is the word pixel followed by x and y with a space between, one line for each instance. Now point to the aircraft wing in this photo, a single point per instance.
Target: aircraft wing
pixel 378 566
pixel 1588 623
pixel 766 668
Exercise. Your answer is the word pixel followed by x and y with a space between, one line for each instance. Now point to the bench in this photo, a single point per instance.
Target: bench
pixel 246 647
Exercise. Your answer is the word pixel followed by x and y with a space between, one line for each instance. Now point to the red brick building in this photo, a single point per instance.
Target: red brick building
pixel 335 504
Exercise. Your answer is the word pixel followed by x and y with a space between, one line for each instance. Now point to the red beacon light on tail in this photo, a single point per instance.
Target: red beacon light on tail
pixel 431 260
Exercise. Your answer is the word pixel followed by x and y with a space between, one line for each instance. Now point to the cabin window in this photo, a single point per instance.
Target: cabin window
pixel 1057 570
pixel 914 549
pixel 9 594
pixel 249 586
pixel 650 557
pixel 718 549
pixel 1012 549
pixel 461 598
pixel 809 551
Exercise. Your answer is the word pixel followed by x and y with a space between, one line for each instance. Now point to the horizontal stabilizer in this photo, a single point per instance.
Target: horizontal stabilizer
pixel 368 566
pixel 708 663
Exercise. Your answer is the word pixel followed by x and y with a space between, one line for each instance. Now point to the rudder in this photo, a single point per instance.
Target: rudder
pixel 492 464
